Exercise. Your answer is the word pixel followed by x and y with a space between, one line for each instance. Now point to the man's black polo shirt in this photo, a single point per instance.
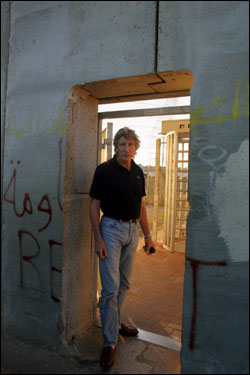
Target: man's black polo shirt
pixel 119 190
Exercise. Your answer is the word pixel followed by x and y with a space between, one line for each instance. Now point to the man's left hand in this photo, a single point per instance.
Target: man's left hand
pixel 148 244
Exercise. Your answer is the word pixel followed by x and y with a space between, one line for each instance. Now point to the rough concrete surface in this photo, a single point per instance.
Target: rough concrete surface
pixel 133 356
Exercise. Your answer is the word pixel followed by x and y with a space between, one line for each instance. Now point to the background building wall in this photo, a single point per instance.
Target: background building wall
pixel 56 45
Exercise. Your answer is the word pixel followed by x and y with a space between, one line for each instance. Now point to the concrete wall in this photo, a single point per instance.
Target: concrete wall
pixel 211 41
pixel 54 45
pixel 5 29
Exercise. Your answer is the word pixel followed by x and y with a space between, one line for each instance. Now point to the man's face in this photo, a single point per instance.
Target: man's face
pixel 126 149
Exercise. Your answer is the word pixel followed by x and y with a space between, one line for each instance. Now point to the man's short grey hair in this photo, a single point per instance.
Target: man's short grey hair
pixel 126 133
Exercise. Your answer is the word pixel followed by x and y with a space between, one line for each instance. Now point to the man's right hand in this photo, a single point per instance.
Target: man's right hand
pixel 100 249
pixel 94 211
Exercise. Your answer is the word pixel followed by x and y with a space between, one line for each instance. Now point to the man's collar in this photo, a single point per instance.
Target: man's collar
pixel 116 164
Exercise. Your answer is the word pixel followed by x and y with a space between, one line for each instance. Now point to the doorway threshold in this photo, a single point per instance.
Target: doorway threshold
pixel 160 340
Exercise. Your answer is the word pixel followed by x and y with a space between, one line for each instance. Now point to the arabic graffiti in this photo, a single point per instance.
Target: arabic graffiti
pixel 198 114
pixel 24 235
pixel 33 125
pixel 213 155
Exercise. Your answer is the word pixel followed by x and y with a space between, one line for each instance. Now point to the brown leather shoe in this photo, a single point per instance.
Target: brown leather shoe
pixel 128 331
pixel 107 357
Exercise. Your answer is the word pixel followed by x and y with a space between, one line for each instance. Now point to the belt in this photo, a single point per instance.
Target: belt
pixel 126 221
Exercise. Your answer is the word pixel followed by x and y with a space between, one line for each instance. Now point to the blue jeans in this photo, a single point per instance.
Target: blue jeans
pixel 121 240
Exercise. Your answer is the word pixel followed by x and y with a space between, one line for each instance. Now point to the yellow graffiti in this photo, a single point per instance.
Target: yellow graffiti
pixel 27 128
pixel 236 107
pixel 198 117
pixel 58 125
pixel 30 127
pixel 217 101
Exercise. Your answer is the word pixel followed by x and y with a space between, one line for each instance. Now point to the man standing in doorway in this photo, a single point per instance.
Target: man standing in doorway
pixel 117 189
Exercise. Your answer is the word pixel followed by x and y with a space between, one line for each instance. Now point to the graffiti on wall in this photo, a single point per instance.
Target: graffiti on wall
pixel 194 263
pixel 212 156
pixel 32 126
pixel 44 206
pixel 198 115
pixel 205 154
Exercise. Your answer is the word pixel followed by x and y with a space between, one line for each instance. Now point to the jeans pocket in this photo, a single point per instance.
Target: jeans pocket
pixel 108 223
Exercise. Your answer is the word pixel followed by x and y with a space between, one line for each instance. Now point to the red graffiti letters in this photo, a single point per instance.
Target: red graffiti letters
pixel 27 258
pixel 194 264
pixel 47 209
pixel 26 200
pixel 24 236
pixel 53 269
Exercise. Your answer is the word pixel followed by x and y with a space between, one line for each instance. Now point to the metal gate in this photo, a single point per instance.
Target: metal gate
pixel 176 205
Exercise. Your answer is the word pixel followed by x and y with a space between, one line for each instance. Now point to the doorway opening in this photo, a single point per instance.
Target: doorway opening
pixel 83 153
pixel 154 302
